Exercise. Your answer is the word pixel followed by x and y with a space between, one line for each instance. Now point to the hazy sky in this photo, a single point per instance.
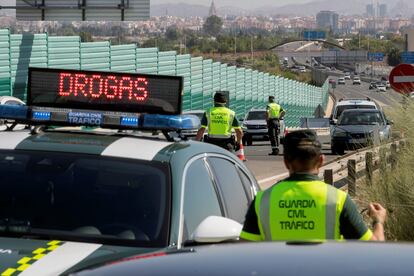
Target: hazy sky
pixel 238 3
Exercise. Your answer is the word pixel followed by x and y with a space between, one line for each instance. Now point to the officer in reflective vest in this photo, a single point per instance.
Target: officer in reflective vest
pixel 220 121
pixel 273 115
pixel 302 207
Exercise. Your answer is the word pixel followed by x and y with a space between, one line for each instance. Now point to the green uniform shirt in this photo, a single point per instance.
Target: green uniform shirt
pixel 351 224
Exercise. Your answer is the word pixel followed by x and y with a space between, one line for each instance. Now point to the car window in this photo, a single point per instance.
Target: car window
pixel 200 198
pixel 361 118
pixel 231 187
pixel 109 199
pixel 256 115
pixel 341 108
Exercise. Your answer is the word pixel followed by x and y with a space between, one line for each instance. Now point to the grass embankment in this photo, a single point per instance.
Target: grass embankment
pixel 394 188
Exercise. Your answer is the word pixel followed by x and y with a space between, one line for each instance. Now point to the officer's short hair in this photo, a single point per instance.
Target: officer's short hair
pixel 220 97
pixel 302 145
pixel 271 99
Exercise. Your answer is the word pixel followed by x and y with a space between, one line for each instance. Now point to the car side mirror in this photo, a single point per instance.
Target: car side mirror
pixel 241 119
pixel 332 122
pixel 390 122
pixel 216 229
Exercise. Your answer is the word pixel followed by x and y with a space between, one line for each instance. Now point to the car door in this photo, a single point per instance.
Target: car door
pixel 234 185
pixel 201 198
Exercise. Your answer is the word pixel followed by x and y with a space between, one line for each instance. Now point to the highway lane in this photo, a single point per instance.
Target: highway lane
pixel 264 166
pixel 384 99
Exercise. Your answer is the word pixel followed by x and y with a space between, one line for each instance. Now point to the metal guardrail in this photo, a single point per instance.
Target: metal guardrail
pixel 344 172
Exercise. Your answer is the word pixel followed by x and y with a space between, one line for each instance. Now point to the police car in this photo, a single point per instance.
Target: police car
pixel 87 184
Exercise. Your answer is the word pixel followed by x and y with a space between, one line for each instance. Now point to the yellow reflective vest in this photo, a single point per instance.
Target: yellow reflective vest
pixel 220 121
pixel 300 210
pixel 274 110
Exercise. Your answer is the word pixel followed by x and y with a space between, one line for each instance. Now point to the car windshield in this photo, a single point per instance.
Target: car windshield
pixel 361 118
pixel 105 200
pixel 198 114
pixel 341 108
pixel 256 115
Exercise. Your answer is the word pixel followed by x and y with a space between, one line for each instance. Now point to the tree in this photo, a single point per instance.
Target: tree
pixel 212 26
pixel 86 36
pixel 172 33
pixel 394 57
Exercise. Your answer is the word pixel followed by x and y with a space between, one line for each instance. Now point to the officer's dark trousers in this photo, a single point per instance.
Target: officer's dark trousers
pixel 273 130
pixel 227 144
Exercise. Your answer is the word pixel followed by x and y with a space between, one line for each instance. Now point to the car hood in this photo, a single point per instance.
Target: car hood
pixel 255 122
pixel 356 128
pixel 54 257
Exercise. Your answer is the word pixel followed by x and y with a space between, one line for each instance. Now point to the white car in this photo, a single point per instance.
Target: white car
pixel 347 76
pixel 356 80
pixel 381 88
pixel 341 81
pixel 344 104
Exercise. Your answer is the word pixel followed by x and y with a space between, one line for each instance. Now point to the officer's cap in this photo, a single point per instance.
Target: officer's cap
pixel 298 139
pixel 220 97
pixel 271 98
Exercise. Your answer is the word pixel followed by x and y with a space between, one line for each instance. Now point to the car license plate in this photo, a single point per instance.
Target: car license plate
pixel 357 141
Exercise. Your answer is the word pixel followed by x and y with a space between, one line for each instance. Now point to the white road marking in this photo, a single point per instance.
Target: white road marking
pixel 61 259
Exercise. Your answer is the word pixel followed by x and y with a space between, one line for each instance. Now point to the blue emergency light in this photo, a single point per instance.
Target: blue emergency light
pixel 33 116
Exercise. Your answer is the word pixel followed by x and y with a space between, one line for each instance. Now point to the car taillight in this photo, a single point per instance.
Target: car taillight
pixel 286 132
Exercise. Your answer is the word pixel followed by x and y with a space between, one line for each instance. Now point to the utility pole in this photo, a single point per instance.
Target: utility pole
pixel 235 43
pixel 251 46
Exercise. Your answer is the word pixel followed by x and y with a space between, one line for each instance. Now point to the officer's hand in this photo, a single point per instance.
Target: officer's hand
pixel 377 212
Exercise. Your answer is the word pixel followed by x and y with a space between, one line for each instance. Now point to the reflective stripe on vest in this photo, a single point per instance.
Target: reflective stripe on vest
pixel 220 121
pixel 302 210
pixel 274 110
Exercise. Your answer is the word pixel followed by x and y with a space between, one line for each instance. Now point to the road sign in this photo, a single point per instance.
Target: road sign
pixel 407 57
pixel 402 78
pixel 376 56
pixel 314 35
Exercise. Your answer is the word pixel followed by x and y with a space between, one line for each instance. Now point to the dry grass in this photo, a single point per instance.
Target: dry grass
pixel 394 189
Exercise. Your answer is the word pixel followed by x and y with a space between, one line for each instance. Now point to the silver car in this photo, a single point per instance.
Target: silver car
pixel 357 128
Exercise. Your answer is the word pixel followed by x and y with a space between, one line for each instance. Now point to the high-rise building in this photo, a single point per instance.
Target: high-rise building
pixel 382 10
pixel 370 10
pixel 327 20
pixel 408 35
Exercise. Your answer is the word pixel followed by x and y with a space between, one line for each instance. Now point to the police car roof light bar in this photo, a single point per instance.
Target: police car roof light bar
pixel 68 117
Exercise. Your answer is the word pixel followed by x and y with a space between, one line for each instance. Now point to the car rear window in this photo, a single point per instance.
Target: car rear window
pixel 256 115
pixel 341 108
pixel 87 198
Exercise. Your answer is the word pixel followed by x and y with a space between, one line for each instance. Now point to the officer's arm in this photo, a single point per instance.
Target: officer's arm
pixel 200 132
pixel 267 113
pixel 239 131
pixel 378 214
pixel 251 231
pixel 352 226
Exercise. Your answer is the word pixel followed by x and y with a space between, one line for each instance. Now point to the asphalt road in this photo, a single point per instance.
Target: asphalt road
pixel 264 166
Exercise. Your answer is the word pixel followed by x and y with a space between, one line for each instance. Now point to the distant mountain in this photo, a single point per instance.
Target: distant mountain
pixel 180 9
pixel 347 7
